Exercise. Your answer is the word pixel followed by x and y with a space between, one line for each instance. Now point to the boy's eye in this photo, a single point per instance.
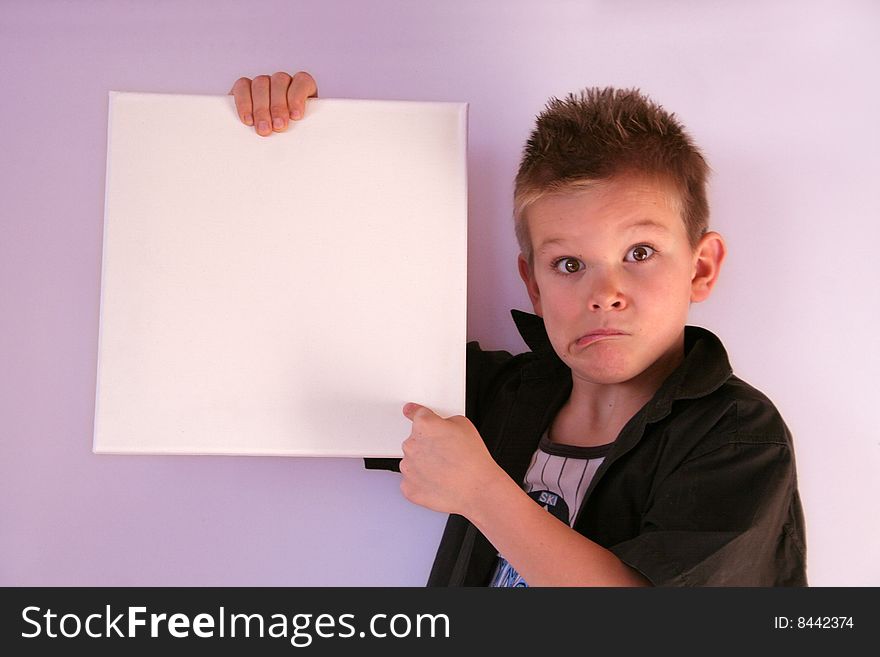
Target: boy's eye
pixel 639 253
pixel 568 265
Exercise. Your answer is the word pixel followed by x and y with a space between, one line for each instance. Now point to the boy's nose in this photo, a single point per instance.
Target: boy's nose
pixel 605 292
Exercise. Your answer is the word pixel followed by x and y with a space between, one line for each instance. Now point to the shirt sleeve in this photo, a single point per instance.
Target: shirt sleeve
pixel 730 517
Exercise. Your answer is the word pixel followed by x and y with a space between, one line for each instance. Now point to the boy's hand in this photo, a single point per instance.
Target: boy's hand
pixel 270 102
pixel 445 465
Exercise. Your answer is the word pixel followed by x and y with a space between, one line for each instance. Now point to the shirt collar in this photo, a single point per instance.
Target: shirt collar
pixel 704 369
pixel 532 330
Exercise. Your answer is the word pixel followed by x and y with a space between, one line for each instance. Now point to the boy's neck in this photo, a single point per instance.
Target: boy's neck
pixel 596 413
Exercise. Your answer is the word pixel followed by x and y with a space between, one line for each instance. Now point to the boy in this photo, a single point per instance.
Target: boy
pixel 621 450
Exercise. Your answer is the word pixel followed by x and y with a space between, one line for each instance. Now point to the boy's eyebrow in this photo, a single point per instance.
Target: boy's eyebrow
pixel 553 241
pixel 548 242
pixel 640 223
pixel 647 223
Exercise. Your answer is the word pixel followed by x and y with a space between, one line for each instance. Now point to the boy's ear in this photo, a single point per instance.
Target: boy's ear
pixel 708 257
pixel 528 277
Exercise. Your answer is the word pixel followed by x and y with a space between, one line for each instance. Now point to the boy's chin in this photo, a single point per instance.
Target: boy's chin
pixel 602 373
pixel 617 369
pixel 603 377
pixel 603 366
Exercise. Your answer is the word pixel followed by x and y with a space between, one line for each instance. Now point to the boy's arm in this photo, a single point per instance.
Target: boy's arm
pixel 446 467
pixel 543 549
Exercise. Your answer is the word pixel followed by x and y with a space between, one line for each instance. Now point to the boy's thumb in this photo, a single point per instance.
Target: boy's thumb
pixel 411 410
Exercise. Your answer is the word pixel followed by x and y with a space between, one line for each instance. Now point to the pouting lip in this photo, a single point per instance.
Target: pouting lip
pixel 598 334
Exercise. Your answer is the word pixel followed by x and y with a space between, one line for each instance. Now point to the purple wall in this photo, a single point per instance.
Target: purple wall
pixel 781 95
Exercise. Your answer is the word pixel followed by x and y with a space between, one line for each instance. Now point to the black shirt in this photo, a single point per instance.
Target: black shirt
pixel 699 488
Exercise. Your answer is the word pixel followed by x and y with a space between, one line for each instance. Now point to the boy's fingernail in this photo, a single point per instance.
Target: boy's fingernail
pixel 248 119
pixel 263 127
pixel 296 115
pixel 278 123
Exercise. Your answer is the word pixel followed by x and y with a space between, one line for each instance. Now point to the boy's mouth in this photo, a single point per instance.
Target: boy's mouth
pixel 597 335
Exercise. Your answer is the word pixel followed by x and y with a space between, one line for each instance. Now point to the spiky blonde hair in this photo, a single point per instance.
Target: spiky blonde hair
pixel 599 134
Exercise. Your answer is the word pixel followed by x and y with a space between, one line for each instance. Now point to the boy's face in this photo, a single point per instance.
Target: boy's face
pixel 613 275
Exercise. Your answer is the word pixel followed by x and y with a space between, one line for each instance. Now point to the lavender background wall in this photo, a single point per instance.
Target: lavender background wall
pixel 783 97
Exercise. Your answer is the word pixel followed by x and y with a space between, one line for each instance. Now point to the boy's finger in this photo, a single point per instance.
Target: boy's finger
pixel 414 411
pixel 260 97
pixel 409 410
pixel 241 92
pixel 302 86
pixel 279 83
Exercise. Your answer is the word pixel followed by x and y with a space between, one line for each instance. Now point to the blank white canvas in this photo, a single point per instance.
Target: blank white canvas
pixel 281 295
